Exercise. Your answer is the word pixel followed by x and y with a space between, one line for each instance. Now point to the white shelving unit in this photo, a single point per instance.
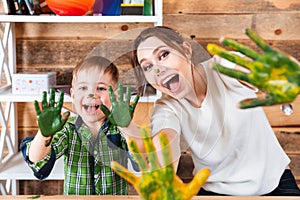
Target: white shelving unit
pixel 12 165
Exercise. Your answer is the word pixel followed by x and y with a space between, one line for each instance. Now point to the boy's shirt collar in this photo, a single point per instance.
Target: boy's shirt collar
pixel 80 127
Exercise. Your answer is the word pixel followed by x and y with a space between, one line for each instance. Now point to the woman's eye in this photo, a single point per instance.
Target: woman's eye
pixel 101 88
pixel 164 54
pixel 147 67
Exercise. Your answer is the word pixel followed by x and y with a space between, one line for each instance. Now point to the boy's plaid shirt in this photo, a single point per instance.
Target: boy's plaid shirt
pixel 87 160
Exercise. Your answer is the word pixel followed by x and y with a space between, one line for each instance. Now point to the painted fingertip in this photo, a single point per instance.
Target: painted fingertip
pixel 249 32
pixel 210 48
pixel 239 105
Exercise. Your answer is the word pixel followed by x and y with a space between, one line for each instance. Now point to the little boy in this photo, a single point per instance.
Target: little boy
pixel 88 141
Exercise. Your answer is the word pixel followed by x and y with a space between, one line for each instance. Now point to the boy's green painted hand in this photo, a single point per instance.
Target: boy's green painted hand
pixel 274 72
pixel 157 182
pixel 49 118
pixel 122 112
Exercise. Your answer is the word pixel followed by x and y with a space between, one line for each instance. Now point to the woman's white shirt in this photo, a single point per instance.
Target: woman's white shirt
pixel 238 145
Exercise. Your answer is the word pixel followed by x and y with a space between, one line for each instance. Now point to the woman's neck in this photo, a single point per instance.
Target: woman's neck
pixel 199 84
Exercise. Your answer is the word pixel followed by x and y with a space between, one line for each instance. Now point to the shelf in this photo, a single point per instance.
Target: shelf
pixel 6 95
pixel 17 169
pixel 12 166
pixel 78 19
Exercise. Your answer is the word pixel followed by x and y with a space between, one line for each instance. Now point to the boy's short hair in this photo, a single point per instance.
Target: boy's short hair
pixel 96 63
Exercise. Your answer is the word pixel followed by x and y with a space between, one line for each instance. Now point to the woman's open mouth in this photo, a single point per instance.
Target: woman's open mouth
pixel 171 83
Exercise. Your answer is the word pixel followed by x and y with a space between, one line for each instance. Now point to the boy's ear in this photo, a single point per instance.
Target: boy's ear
pixel 72 93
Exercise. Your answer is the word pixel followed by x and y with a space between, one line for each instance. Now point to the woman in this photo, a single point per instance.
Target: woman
pixel 200 105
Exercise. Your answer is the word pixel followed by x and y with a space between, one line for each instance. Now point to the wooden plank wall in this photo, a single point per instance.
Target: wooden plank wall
pixel 59 46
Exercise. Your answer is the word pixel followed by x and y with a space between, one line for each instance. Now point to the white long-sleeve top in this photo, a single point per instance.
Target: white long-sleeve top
pixel 237 145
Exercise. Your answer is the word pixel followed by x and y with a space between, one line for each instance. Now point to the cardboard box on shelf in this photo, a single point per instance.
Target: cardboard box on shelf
pixel 34 83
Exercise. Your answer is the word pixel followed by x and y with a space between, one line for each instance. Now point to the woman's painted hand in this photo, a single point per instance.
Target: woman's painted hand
pixel 122 112
pixel 157 182
pixel 49 118
pixel 273 72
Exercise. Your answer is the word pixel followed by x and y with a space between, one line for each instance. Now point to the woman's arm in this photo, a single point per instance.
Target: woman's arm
pixel 133 132
pixel 174 143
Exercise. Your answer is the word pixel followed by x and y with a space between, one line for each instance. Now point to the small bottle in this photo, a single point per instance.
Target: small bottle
pixel 148 8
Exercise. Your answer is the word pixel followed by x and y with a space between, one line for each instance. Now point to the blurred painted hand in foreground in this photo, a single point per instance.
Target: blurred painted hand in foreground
pixel 157 182
pixel 273 72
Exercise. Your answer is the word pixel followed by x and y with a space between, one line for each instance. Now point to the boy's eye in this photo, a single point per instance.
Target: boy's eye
pixel 147 67
pixel 82 88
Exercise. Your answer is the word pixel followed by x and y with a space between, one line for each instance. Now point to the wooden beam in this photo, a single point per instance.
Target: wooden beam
pixel 268 26
pixel 229 6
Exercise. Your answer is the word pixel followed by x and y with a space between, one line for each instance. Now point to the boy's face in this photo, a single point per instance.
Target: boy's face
pixel 89 91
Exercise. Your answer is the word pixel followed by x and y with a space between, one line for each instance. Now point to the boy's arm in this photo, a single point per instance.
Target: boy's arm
pixel 42 168
pixel 38 149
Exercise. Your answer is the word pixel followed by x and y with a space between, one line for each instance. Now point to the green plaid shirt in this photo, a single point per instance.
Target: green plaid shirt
pixel 87 160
